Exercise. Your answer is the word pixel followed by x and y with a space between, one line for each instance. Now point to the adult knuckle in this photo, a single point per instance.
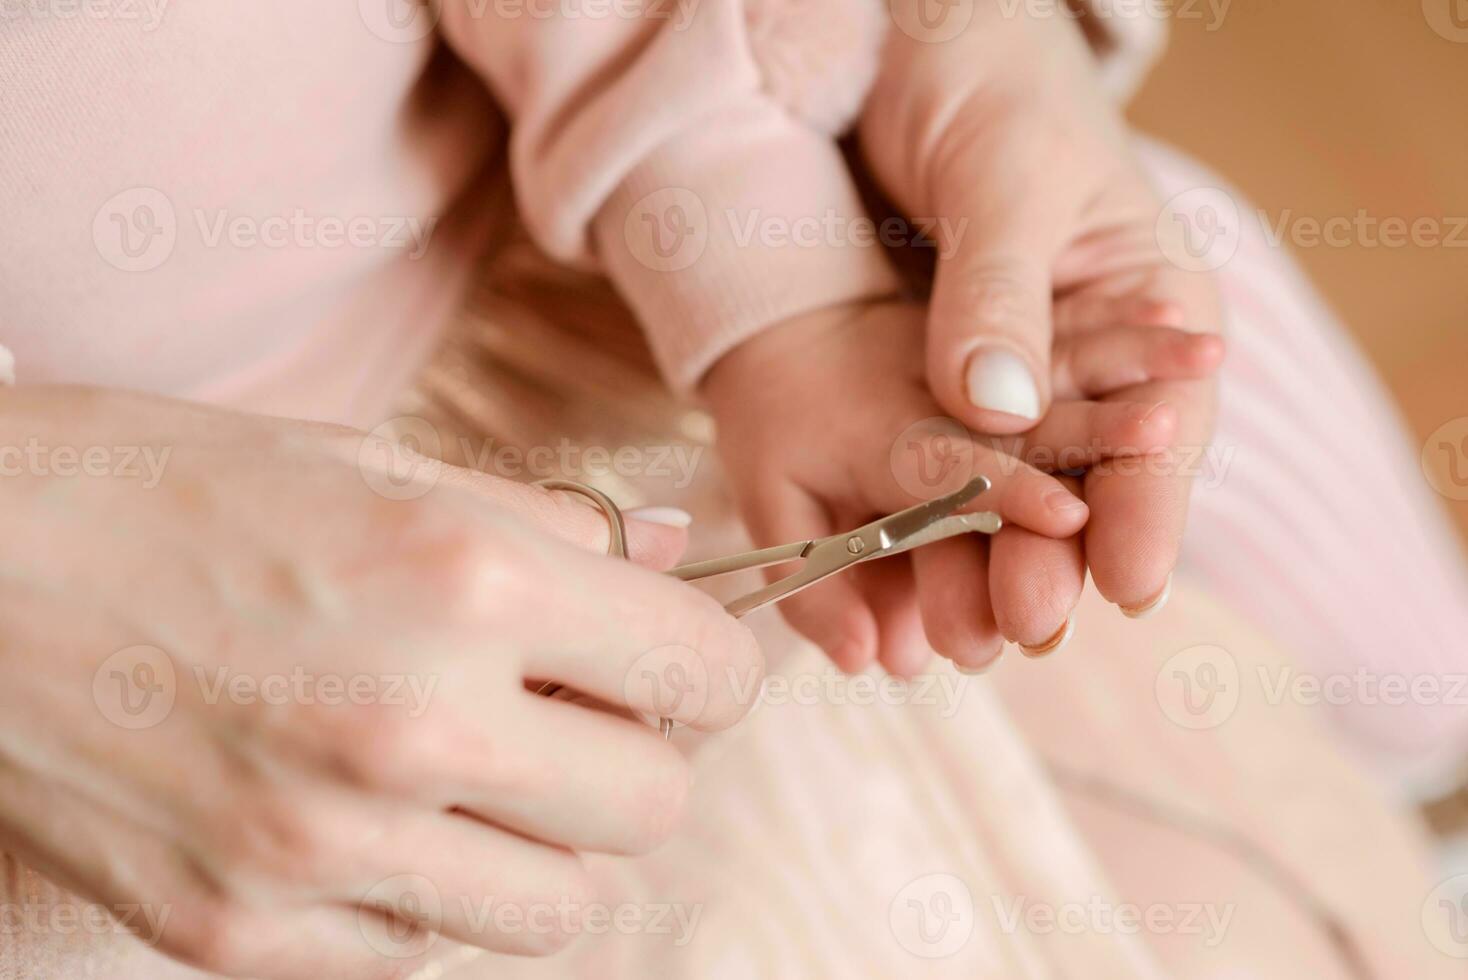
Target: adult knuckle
pixel 384 748
pixel 479 577
pixel 284 837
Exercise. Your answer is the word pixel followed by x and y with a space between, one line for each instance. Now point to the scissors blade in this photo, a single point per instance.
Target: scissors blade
pixel 828 556
pixel 980 522
pixel 738 563
pixel 895 528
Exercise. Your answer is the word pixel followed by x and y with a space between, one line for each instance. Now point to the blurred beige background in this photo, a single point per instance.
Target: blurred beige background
pixel 1327 107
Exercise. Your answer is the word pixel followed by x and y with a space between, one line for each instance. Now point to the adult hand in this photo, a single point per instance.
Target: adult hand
pixel 291 714
pixel 1004 131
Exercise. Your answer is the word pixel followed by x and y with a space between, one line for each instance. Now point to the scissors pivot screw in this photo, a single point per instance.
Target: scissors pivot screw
pixel 855 545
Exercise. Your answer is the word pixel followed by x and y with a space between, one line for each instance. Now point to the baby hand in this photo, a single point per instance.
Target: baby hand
pixel 827 422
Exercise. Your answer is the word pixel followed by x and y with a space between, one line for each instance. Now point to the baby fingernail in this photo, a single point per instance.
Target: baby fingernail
pixel 1060 639
pixel 998 379
pixel 1151 410
pixel 666 516
pixel 1064 502
pixel 1145 609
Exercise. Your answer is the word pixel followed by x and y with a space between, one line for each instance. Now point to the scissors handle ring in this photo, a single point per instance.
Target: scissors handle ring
pixel 616 548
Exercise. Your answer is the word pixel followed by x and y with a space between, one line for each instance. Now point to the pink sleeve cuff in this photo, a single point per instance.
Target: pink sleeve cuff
pixel 738 222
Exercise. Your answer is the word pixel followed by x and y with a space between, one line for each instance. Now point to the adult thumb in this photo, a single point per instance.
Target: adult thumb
pixel 989 324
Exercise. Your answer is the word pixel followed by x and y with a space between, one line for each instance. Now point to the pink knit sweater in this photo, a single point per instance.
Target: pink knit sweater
pixel 274 204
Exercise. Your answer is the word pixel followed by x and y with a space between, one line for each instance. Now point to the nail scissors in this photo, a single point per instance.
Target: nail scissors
pixel 925 523
pixel 914 527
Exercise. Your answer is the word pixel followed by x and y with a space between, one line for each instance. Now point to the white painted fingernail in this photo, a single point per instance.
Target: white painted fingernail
pixel 666 516
pixel 998 379
pixel 1148 608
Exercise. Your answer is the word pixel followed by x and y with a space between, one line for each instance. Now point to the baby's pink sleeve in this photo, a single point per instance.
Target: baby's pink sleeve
pixel 685 148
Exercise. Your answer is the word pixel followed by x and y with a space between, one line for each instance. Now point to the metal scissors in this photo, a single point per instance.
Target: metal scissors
pixel 925 523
